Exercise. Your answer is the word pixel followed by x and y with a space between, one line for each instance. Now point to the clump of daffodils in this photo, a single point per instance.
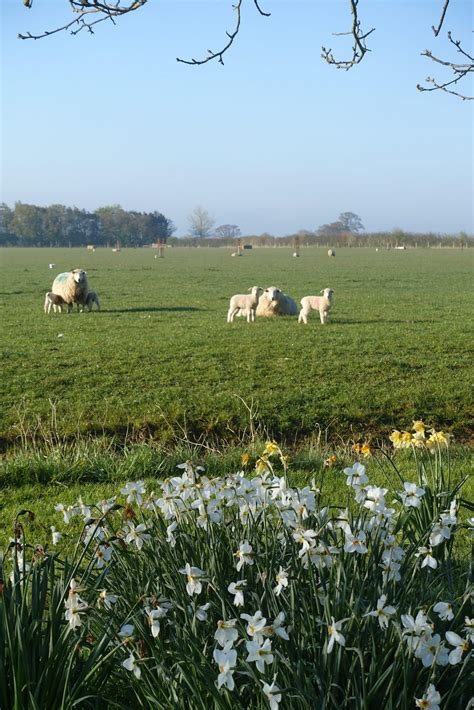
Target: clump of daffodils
pixel 418 438
pixel 257 577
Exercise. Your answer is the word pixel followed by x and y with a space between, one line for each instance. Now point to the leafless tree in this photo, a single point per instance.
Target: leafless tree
pixel 200 223
pixel 88 13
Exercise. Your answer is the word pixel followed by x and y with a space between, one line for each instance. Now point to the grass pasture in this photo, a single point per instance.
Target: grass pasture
pixel 160 358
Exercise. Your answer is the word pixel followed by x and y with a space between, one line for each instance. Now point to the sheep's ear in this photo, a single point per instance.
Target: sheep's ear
pixel 322 291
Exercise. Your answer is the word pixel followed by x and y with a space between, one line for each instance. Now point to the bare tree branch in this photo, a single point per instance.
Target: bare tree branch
pixel 84 11
pixel 359 48
pixel 436 30
pixel 458 71
pixel 231 35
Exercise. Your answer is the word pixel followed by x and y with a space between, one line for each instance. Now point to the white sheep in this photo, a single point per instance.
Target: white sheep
pixel 322 303
pixel 52 300
pixel 72 286
pixel 92 298
pixel 244 304
pixel 273 302
pixel 331 252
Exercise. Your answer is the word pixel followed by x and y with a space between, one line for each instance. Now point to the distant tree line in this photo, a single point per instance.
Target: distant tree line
pixel 305 237
pixel 61 226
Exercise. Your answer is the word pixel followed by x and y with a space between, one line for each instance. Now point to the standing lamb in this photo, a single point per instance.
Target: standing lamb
pixel 92 298
pixel 72 286
pixel 52 300
pixel 323 304
pixel 244 304
pixel 331 252
pixel 273 302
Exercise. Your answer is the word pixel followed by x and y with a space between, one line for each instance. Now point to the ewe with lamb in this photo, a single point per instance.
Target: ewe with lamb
pixel 72 286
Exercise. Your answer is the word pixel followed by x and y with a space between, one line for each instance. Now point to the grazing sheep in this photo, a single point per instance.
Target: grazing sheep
pixel 52 300
pixel 244 304
pixel 273 302
pixel 72 286
pixel 295 253
pixel 51 266
pixel 331 252
pixel 323 304
pixel 92 298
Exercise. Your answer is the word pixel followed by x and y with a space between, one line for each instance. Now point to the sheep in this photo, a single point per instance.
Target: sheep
pixel 295 253
pixel 72 286
pixel 322 303
pixel 244 304
pixel 273 302
pixel 92 298
pixel 331 252
pixel 51 266
pixel 52 300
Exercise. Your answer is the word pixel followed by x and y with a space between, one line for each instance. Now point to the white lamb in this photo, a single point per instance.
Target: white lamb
pixel 52 300
pixel 323 304
pixel 244 304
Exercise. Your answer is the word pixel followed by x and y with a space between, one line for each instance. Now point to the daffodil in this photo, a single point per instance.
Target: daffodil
pixel 460 646
pixel 226 632
pixel 430 700
pixel 356 543
pixel 131 665
pixel 444 611
pixel 272 693
pixel 137 534
pixel 383 612
pixel 237 589
pixel 260 654
pixel 255 623
pixel 281 580
pixel 244 555
pixel 226 659
pixel 411 496
pixel 194 577
pixel 334 635
pixel 106 600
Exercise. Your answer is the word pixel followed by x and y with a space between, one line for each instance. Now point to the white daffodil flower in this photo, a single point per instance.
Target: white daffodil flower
pixel 426 553
pixel 383 612
pixel 281 580
pixel 460 646
pixel 277 628
pixel 430 650
pixel 106 600
pixel 430 700
pixel 201 612
pixel 237 589
pixel 411 496
pixel 134 492
pixel 137 534
pixel 102 553
pixel 226 659
pixel 356 543
pixel 259 654
pixel 194 577
pixel 131 665
pixel 272 693
pixel 244 555
pixel 255 624
pixel 226 632
pixel 334 634
pixel 356 475
pixel 444 611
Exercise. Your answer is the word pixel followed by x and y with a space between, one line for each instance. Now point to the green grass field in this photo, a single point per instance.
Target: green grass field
pixel 160 358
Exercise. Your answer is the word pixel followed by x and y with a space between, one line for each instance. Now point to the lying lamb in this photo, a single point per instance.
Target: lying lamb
pixel 244 304
pixel 274 302
pixel 52 300
pixel 323 304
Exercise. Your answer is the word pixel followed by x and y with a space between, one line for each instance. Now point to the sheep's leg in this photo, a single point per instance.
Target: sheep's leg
pixel 303 317
pixel 323 316
pixel 69 307
pixel 231 314
pixel 252 315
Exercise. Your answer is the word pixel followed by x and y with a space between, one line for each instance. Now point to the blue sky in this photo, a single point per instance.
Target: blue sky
pixel 275 140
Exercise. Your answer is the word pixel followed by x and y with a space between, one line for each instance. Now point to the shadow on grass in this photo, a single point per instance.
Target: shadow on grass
pixel 153 309
pixel 349 321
